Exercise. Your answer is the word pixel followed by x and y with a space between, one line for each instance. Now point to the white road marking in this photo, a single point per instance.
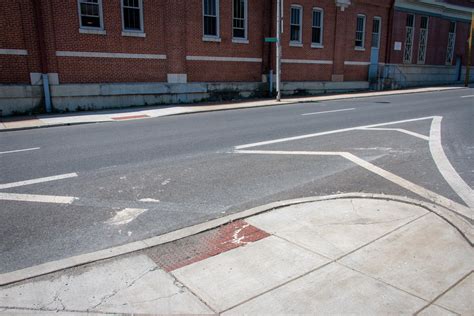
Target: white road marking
pixel 324 112
pixel 281 140
pixel 425 193
pixel 444 166
pixel 282 152
pixel 37 198
pixel 149 200
pixel 39 180
pixel 401 130
pixel 19 150
pixel 125 216
pixel 468 96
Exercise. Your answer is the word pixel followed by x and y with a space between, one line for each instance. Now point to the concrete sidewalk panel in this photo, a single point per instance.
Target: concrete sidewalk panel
pixel 460 298
pixel 332 290
pixel 425 257
pixel 434 310
pixel 336 227
pixel 127 285
pixel 232 277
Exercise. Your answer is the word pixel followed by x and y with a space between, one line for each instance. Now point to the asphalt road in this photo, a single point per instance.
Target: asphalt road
pixel 171 172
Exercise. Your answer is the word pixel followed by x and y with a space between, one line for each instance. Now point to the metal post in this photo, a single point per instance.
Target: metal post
pixel 47 95
pixel 469 54
pixel 278 51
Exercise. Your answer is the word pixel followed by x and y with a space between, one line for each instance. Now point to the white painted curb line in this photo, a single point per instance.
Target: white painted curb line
pixel 463 227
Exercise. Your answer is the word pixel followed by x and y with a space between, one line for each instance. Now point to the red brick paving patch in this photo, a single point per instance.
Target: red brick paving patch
pixel 195 248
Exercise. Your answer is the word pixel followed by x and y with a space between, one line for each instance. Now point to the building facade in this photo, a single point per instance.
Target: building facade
pixel 90 54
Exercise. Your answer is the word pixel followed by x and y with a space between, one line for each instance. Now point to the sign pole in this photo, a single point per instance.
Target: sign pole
pixel 278 51
pixel 469 53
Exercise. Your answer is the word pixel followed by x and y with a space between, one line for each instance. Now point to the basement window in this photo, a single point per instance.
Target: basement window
pixel 210 18
pixel 360 32
pixel 132 15
pixel 90 14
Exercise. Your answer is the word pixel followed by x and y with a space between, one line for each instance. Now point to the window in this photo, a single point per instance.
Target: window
pixel 211 18
pixel 376 26
pixel 317 30
pixel 423 40
pixel 451 43
pixel 407 55
pixel 90 14
pixel 360 32
pixel 296 15
pixel 239 19
pixel 132 15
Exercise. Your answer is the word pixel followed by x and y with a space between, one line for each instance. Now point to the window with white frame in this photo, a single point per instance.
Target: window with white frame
pixel 407 54
pixel 90 14
pixel 376 28
pixel 296 17
pixel 451 43
pixel 211 18
pixel 423 42
pixel 360 32
pixel 132 15
pixel 317 27
pixel 239 19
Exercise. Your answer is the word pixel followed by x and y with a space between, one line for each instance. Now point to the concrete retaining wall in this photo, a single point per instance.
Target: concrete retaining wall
pixel 16 99
pixel 428 75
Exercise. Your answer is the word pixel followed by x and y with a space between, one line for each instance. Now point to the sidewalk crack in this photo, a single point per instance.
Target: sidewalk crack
pixel 115 292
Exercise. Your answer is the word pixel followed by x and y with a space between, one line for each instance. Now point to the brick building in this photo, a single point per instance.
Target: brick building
pixel 112 53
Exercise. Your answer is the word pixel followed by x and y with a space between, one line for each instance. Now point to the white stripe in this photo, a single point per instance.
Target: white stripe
pixel 425 193
pixel 37 198
pixel 282 152
pixel 39 180
pixel 444 166
pixel 108 55
pixel 357 63
pixel 401 130
pixel 307 61
pixel 323 112
pixel 468 96
pixel 281 140
pixel 19 52
pixel 218 58
pixel 18 150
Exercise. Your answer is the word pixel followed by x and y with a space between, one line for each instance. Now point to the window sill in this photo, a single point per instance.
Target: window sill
pixel 240 41
pixel 362 49
pixel 92 31
pixel 133 34
pixel 294 44
pixel 211 39
pixel 317 46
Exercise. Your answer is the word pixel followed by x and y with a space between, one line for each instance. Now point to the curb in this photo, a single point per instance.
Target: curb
pixel 283 102
pixel 463 227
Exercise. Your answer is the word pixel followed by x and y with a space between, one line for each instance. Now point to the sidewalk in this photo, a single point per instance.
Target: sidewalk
pixel 359 255
pixel 28 122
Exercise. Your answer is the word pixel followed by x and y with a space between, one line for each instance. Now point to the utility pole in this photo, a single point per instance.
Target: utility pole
pixel 469 53
pixel 278 49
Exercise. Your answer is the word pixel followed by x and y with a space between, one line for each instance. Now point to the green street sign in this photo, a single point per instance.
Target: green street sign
pixel 271 40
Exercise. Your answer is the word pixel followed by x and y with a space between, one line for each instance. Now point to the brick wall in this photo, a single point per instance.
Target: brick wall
pixel 438 29
pixel 16 29
pixel 174 29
